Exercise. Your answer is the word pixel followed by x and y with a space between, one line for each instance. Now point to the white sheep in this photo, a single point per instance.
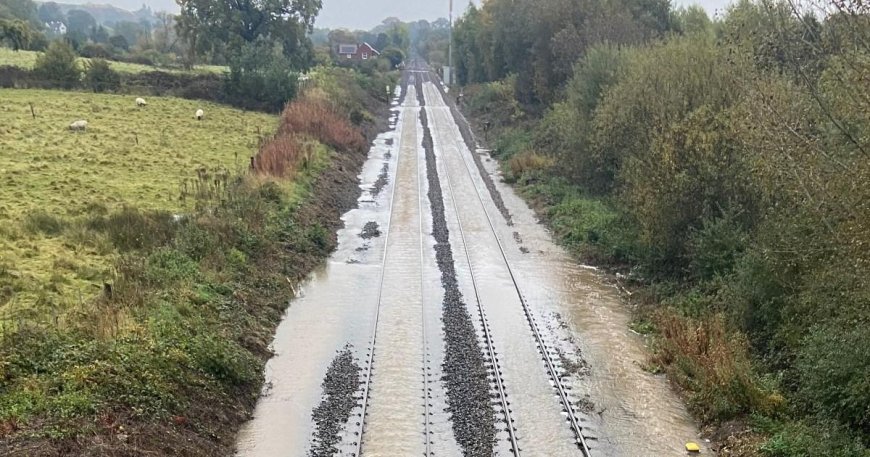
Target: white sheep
pixel 141 102
pixel 80 125
pixel 199 114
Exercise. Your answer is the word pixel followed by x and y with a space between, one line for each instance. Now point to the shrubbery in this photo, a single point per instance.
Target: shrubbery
pixel 59 65
pixel 261 76
pixel 100 77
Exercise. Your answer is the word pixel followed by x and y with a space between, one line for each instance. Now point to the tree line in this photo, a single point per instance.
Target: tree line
pixel 724 164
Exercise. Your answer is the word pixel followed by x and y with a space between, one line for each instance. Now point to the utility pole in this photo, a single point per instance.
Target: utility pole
pixel 449 74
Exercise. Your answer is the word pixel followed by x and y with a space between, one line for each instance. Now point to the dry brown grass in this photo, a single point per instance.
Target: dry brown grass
pixel 305 122
pixel 529 162
pixel 711 362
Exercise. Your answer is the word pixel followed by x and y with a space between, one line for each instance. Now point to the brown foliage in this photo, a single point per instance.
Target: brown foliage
pixel 303 120
pixel 320 120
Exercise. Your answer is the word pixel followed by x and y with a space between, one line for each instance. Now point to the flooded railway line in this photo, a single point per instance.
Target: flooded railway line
pixel 424 339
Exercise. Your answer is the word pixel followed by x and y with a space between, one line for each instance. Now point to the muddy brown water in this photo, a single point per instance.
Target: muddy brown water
pixel 632 413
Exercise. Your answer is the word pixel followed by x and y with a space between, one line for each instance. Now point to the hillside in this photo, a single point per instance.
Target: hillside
pixel 54 179
pixel 112 13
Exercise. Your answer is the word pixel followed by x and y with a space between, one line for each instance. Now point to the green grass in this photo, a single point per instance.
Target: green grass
pixel 27 59
pixel 51 179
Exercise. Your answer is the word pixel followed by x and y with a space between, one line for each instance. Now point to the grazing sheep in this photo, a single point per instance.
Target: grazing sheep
pixel 199 114
pixel 141 102
pixel 80 125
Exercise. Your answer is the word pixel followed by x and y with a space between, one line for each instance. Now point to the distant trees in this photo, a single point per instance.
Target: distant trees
pixel 49 12
pixel 59 65
pixel 16 33
pixel 234 25
pixel 23 10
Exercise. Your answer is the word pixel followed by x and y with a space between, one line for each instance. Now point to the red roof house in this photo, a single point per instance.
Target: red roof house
pixel 357 52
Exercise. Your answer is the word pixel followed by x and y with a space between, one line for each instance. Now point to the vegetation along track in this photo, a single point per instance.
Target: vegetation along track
pixel 549 363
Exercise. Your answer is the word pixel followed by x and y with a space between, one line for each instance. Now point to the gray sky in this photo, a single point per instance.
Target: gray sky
pixel 365 14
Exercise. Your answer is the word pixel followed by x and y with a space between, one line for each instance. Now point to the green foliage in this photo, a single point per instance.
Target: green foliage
pixel 231 27
pixel 100 77
pixel 567 127
pixel 832 366
pixel 394 55
pixel 59 65
pixel 166 266
pixel 723 166
pixel 811 438
pixel 262 76
pixel 16 33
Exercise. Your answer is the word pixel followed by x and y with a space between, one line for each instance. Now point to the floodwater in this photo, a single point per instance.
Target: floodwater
pixel 635 413
pixel 384 294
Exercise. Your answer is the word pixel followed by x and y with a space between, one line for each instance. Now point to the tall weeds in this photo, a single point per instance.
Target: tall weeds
pixel 304 120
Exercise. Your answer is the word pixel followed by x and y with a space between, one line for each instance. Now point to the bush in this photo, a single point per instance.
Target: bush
pixel 261 77
pixel 833 366
pixel 131 229
pixel 712 363
pixel 59 65
pixel 166 266
pixel 95 51
pixel 100 77
pixel 814 438
pixel 320 120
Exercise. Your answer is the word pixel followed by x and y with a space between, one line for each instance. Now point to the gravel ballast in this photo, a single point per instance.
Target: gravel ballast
pixel 465 372
pixel 339 398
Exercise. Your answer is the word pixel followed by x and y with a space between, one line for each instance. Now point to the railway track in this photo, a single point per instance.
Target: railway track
pixel 487 334
pixel 369 363
pixel 549 363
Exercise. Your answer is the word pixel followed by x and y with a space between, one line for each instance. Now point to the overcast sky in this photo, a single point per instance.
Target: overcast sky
pixel 365 14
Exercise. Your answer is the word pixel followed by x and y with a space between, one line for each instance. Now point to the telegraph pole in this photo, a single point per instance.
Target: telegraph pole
pixel 449 75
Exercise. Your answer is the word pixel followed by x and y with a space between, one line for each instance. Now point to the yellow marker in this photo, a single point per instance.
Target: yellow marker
pixel 692 447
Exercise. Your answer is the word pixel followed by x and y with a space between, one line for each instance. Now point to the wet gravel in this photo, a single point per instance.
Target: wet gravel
pixel 465 373
pixel 370 230
pixel 468 136
pixel 383 179
pixel 340 385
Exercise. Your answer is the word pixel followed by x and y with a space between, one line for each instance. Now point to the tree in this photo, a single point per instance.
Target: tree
pixel 164 32
pixel 99 35
pixel 119 42
pixel 59 65
pixel 17 33
pixel 131 31
pixel 394 55
pixel 80 22
pixel 100 77
pixel 240 23
pixel 23 10
pixel 50 12
pixel 261 76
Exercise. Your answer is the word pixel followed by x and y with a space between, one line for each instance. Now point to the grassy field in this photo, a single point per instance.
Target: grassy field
pixel 52 179
pixel 27 59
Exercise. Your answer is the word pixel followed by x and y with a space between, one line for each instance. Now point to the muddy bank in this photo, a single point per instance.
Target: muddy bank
pixel 465 372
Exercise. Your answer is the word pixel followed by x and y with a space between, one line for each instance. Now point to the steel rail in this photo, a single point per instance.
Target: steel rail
pixel 427 422
pixel 548 360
